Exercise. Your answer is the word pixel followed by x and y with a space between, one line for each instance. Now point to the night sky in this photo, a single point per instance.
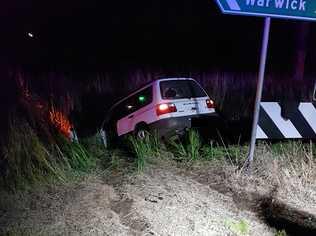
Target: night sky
pixel 105 33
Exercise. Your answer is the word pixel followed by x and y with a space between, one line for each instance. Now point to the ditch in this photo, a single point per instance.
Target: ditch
pixel 273 212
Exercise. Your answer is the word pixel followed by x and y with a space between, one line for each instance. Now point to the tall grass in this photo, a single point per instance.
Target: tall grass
pixel 145 149
pixel 188 149
pixel 28 160
pixel 75 155
pixel 191 148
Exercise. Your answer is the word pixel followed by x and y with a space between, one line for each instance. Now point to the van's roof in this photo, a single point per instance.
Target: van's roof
pixel 144 86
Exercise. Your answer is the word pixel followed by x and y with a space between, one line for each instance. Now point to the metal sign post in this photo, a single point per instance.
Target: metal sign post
pixel 263 59
pixel 288 9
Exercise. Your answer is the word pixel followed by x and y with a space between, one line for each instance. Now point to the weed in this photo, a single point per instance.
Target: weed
pixel 281 233
pixel 178 149
pixel 194 145
pixel 141 149
pixel 239 228
pixel 192 149
pixel 211 152
pixel 145 149
pixel 155 144
pixel 189 149
pixel 75 155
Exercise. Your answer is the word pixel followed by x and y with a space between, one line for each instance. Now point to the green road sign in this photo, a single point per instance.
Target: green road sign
pixel 289 9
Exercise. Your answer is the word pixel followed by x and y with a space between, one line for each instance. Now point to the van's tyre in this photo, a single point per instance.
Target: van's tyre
pixel 141 131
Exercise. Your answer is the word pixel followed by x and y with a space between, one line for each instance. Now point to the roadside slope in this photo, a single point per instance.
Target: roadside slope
pixel 161 201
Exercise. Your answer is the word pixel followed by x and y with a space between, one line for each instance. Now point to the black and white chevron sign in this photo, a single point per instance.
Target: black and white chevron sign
pixel 301 122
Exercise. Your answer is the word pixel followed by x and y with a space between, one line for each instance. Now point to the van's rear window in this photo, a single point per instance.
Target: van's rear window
pixel 176 89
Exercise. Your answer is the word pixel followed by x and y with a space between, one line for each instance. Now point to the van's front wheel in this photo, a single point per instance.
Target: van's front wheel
pixel 141 131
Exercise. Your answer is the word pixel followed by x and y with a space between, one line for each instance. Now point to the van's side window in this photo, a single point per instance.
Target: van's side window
pixel 144 97
pixel 139 100
pixel 133 103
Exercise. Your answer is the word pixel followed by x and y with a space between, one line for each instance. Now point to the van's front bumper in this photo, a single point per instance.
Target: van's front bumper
pixel 179 125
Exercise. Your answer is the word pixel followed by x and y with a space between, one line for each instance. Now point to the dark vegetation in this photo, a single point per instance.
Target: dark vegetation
pixel 84 97
pixel 44 107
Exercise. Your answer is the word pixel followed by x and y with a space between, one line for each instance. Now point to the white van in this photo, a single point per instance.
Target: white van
pixel 169 106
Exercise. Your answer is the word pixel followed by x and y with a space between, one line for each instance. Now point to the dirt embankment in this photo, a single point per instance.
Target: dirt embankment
pixel 293 212
pixel 164 200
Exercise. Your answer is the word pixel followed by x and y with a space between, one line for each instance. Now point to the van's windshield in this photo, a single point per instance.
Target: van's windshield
pixel 177 89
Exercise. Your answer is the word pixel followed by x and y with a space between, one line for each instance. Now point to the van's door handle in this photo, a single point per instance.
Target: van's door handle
pixel 131 116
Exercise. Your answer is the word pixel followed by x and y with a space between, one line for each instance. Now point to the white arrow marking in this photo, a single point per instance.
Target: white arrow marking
pixel 286 127
pixel 309 113
pixel 260 133
pixel 233 5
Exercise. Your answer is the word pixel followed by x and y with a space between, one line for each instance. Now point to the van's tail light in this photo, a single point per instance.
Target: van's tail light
pixel 165 108
pixel 210 103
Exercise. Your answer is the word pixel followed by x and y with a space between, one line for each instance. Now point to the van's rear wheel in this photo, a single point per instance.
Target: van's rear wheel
pixel 142 131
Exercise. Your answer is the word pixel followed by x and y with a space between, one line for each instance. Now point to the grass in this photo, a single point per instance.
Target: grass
pixel 239 228
pixel 281 233
pixel 75 155
pixel 192 149
pixel 95 145
pixel 188 149
pixel 115 161
pixel 29 160
pixel 291 167
pixel 288 168
pixel 145 149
